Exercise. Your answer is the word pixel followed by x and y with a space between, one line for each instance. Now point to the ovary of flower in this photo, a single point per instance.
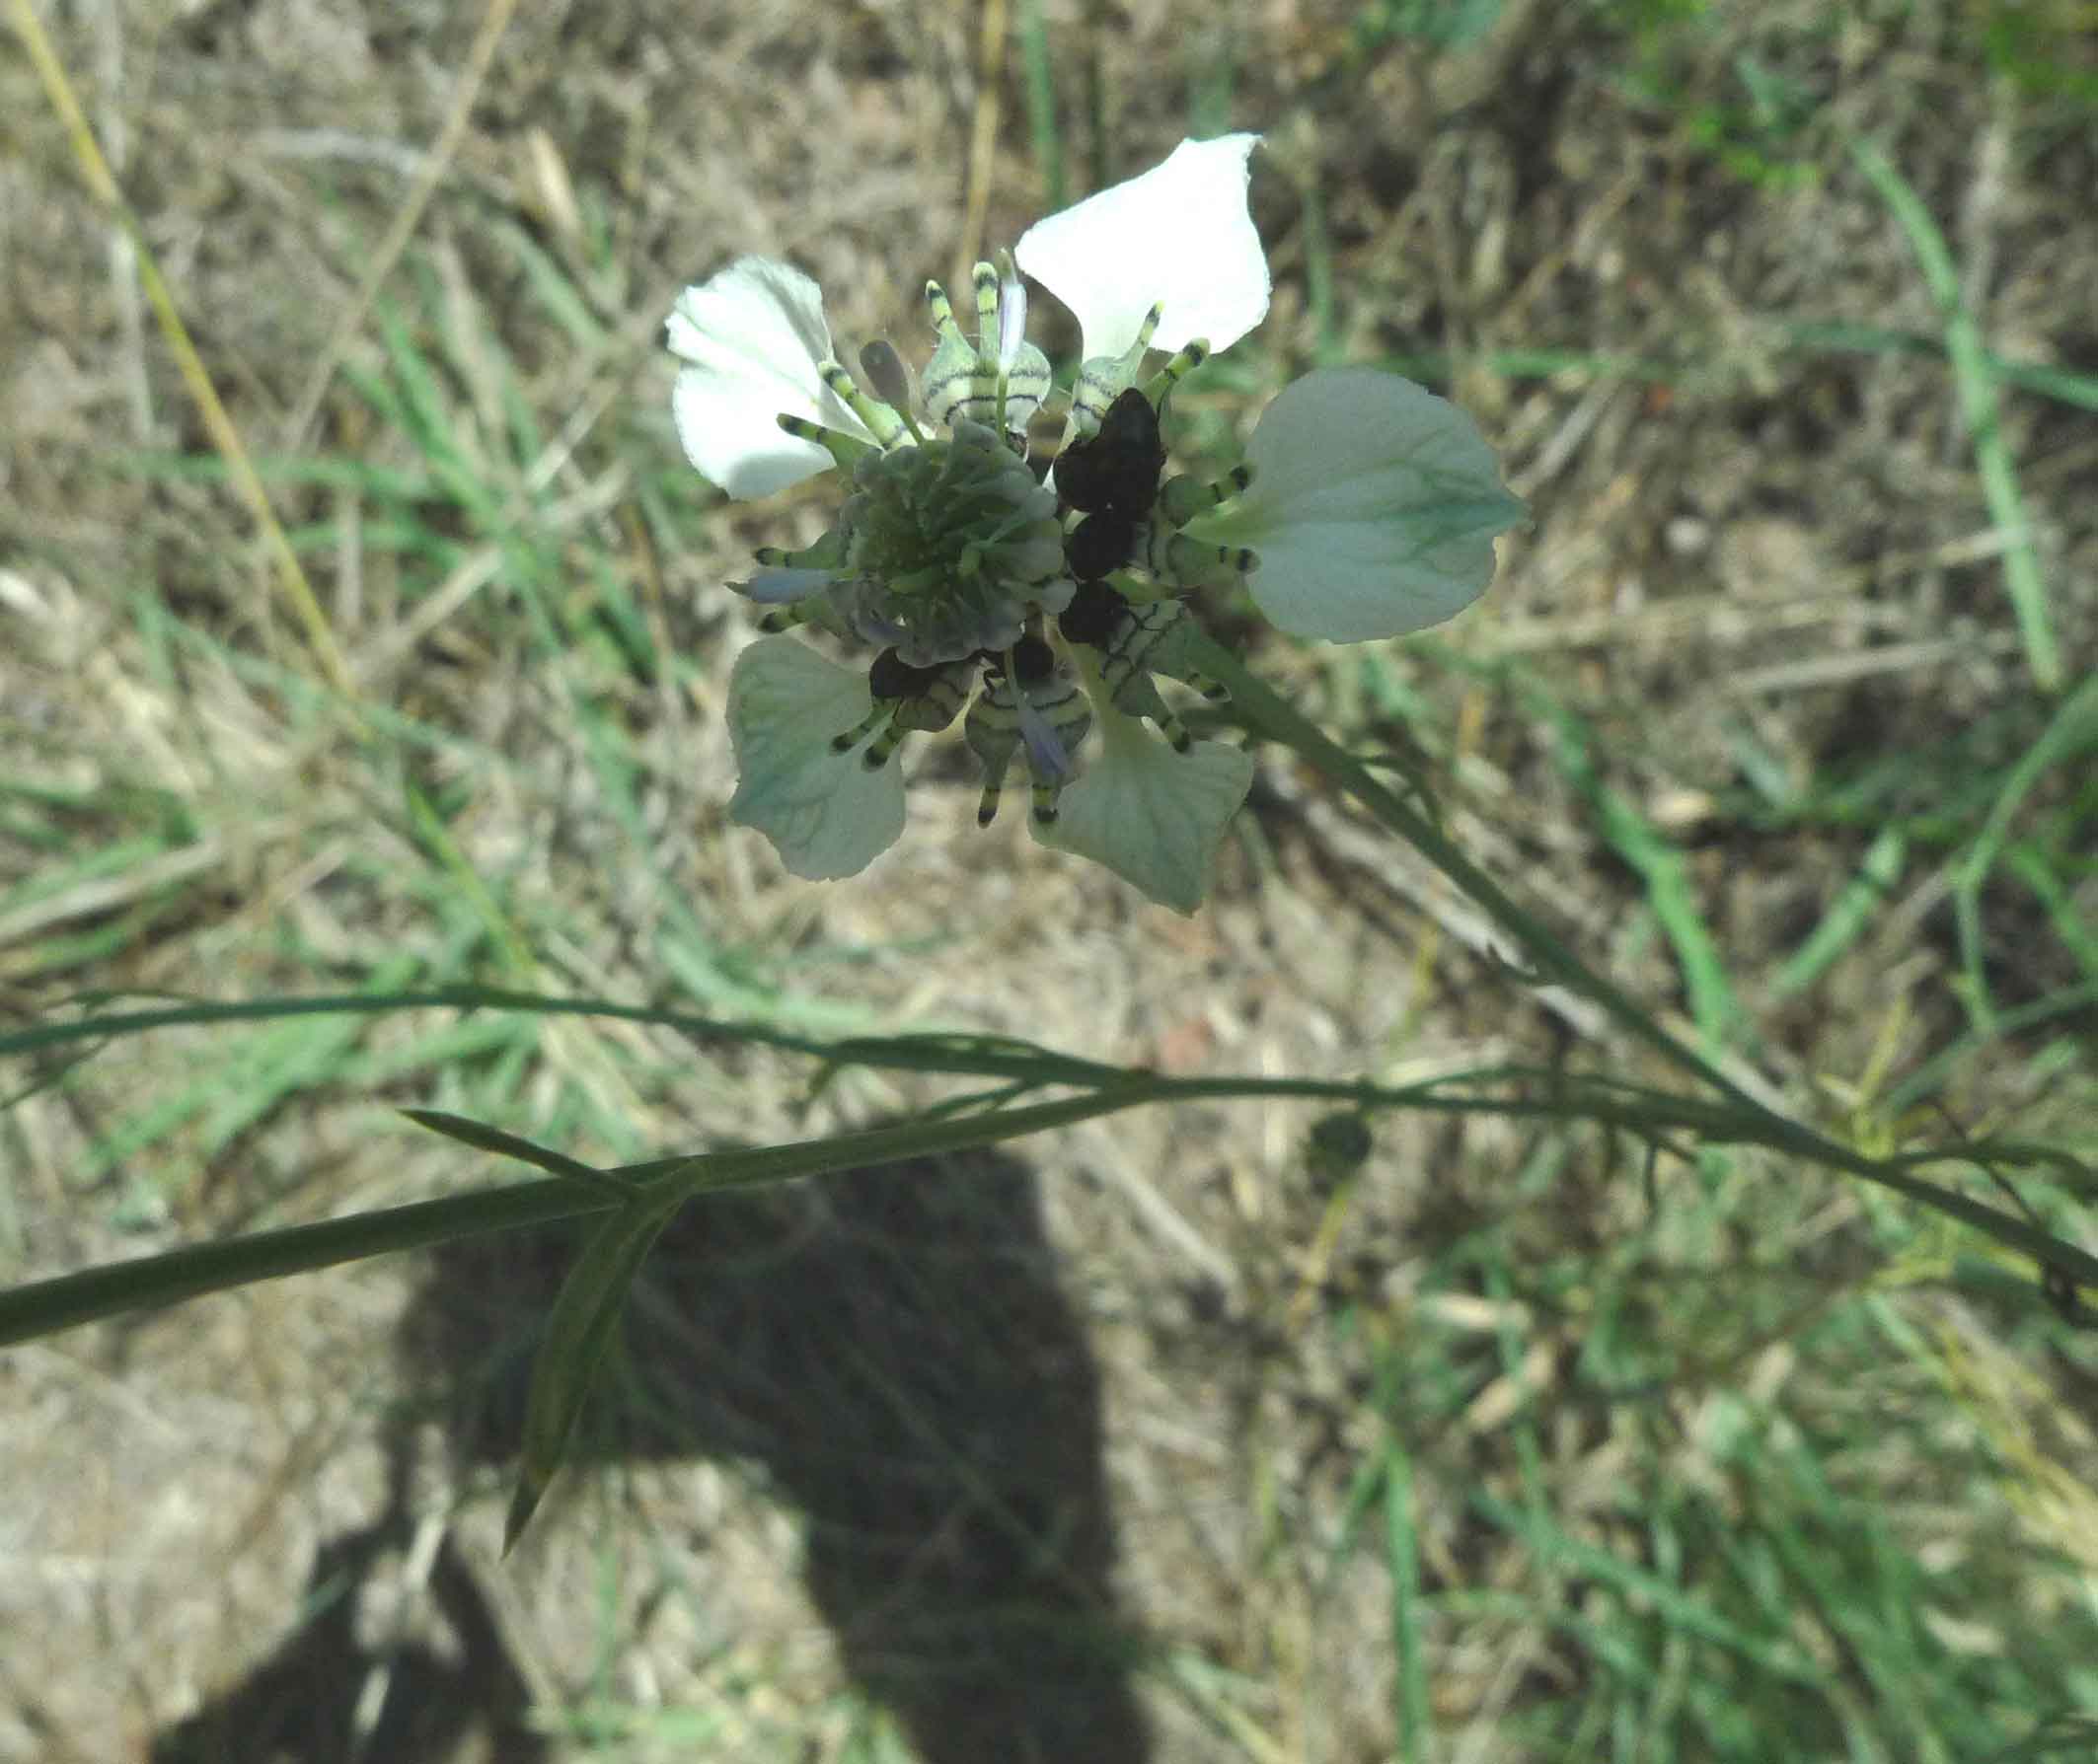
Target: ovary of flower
pixel 1373 509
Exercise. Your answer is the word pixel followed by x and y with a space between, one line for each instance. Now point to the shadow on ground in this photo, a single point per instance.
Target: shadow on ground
pixel 891 1350
pixel 421 1704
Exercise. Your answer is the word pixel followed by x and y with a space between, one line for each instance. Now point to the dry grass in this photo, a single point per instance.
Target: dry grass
pixel 1756 627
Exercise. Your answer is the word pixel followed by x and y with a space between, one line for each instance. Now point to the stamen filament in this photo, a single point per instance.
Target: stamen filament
pixel 846 450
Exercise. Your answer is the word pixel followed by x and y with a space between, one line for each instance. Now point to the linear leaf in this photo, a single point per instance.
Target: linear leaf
pixel 579 1330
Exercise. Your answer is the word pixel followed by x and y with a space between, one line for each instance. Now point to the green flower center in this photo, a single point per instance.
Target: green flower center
pixel 949 547
pixel 948 524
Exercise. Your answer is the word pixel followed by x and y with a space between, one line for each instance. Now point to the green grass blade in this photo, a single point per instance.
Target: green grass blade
pixel 1776 1654
pixel 1043 129
pixel 1978 403
pixel 1402 1565
pixel 1847 916
pixel 1662 866
pixel 2072 731
pixel 579 1330
pixel 2064 385
pixel 497 1143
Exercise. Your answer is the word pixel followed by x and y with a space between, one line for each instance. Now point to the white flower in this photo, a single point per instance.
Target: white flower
pixel 1036 609
pixel 948 554
pixel 1373 508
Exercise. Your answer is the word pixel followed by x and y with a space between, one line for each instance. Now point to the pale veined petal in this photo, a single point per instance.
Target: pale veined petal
pixel 1178 235
pixel 827 813
pixel 751 338
pixel 1153 816
pixel 1373 509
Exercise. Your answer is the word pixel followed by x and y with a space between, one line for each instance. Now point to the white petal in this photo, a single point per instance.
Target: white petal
pixel 751 338
pixel 1373 508
pixel 1150 815
pixel 1179 234
pixel 1012 321
pixel 825 812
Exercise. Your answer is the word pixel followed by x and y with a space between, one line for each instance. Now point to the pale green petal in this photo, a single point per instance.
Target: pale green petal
pixel 1374 507
pixel 827 815
pixel 751 338
pixel 1150 815
pixel 1179 234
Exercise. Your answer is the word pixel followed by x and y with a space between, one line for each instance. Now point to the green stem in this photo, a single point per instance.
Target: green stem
pixel 45 1307
pixel 1269 714
pixel 1266 713
pixel 146 1283
pixel 957 1054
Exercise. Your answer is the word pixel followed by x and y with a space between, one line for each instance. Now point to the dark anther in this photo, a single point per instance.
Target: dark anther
pixel 1117 469
pixel 1032 660
pixel 1101 544
pixel 1112 479
pixel 893 678
pixel 1094 612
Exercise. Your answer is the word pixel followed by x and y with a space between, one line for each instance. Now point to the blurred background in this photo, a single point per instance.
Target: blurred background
pixel 1151 1440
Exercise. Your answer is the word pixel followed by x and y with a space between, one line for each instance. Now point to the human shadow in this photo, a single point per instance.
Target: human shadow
pixel 303 1704
pixel 890 1351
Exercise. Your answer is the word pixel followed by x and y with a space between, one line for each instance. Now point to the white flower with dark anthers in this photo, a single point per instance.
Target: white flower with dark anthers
pixel 953 558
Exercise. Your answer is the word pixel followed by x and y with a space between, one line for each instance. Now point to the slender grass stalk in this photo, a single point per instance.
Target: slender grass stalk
pixel 45 1306
pixel 1043 128
pixel 152 1280
pixel 225 437
pixel 1978 403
